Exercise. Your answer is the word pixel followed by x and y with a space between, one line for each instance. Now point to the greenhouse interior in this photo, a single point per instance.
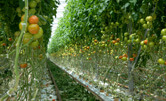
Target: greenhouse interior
pixel 82 50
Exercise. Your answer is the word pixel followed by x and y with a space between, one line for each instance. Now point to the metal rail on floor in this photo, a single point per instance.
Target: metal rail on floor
pixel 56 87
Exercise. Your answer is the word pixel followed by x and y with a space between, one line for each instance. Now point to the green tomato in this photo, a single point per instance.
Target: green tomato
pixel 26 40
pixel 18 10
pixel 145 26
pixel 137 40
pixel 125 38
pixel 102 32
pixel 27 35
pixel 38 1
pixel 23 9
pixel 116 57
pixel 163 31
pixel 126 34
pixel 17 33
pixel 106 28
pixel 39 34
pixel 142 21
pixel 34 44
pixel 124 58
pixel 145 47
pixel 128 41
pixel 164 38
pixel 32 11
pixel 161 61
pixel 149 18
pixel 142 43
pixel 117 23
pixel 151 44
pixel 112 23
pixel 116 44
pixel 32 4
pixel 131 36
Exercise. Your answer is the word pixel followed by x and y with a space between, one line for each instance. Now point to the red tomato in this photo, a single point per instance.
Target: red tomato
pixel 134 55
pixel 120 57
pixel 33 19
pixel 145 41
pixel 24 65
pixel 131 59
pixel 10 39
pixel 3 44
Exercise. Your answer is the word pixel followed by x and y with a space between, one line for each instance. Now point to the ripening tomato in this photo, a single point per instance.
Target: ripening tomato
pixel 95 40
pixel 113 41
pixel 125 55
pixel 118 39
pixel 165 62
pixel 22 17
pixel 23 65
pixel 33 28
pixel 33 19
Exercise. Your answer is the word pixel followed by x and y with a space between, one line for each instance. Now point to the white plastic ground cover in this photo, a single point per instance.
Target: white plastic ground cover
pixel 48 92
pixel 91 87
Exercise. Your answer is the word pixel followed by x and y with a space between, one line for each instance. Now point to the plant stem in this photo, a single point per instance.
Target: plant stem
pixel 16 69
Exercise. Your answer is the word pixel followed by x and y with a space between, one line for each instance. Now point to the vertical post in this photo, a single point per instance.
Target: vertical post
pixel 130 75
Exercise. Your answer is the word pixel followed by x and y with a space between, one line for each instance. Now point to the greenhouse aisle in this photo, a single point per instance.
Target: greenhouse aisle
pixel 82 50
pixel 47 91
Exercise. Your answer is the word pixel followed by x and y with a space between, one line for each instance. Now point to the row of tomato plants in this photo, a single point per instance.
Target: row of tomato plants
pixel 24 47
pixel 109 38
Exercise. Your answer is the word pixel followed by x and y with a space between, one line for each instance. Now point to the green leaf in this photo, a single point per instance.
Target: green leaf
pixel 125 6
pixel 118 1
pixel 133 1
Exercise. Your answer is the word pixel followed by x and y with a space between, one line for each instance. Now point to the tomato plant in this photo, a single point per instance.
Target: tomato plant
pixel 133 31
